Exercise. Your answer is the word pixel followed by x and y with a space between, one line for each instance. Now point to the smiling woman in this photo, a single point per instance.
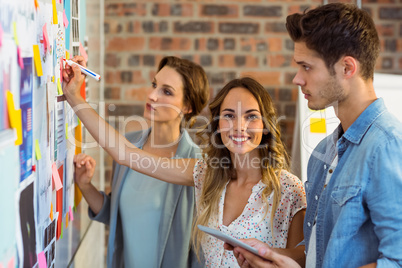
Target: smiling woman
pixel 242 184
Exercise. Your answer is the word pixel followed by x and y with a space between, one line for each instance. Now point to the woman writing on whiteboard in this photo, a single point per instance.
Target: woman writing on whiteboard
pixel 242 184
pixel 150 220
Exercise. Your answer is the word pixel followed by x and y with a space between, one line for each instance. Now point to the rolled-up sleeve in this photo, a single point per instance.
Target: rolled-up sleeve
pixel 384 202
pixel 104 214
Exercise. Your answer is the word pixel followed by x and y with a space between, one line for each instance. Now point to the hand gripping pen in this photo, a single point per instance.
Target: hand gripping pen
pixel 84 70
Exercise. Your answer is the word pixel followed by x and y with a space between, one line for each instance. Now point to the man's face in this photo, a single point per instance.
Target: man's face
pixel 319 86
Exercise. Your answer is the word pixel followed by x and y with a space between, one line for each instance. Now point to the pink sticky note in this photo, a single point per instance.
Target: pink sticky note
pixel 83 52
pixel 46 38
pixel 1 35
pixel 11 263
pixel 42 260
pixel 56 177
pixel 20 62
pixel 71 214
pixel 65 20
pixel 61 70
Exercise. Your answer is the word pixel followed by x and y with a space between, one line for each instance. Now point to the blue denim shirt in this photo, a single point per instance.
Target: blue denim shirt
pixel 359 213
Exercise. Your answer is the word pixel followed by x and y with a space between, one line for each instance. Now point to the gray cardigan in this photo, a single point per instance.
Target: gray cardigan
pixel 175 226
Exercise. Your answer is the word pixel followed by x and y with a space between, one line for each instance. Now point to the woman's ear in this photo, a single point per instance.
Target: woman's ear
pixel 265 131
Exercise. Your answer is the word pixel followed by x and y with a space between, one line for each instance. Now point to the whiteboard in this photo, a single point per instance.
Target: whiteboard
pixel 313 126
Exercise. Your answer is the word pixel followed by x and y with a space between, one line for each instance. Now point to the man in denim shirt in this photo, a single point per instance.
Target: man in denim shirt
pixel 354 176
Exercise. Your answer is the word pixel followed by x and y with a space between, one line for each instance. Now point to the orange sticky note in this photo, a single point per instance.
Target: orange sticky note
pixel 37 150
pixel 71 213
pixel 83 52
pixel 55 20
pixel 38 62
pixel 36 5
pixel 56 178
pixel 66 220
pixel 15 117
pixel 59 90
pixel 51 212
pixel 317 125
pixel 67 55
pixel 42 260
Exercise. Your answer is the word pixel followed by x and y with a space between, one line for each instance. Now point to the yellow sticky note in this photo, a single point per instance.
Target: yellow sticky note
pixel 66 131
pixel 51 212
pixel 67 55
pixel 59 90
pixel 38 62
pixel 37 150
pixel 15 33
pixel 317 125
pixel 15 117
pixel 55 20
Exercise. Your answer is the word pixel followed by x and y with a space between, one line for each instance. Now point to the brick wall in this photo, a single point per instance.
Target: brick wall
pixel 228 38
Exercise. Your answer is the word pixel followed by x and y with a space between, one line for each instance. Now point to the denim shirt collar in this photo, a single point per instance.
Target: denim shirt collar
pixel 357 130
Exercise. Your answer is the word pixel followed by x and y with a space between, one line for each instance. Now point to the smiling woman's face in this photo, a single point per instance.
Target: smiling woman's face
pixel 240 122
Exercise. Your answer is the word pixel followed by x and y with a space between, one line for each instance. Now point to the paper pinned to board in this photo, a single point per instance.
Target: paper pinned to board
pixel 318 125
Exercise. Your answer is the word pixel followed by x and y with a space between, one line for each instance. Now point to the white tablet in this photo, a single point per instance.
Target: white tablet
pixel 228 239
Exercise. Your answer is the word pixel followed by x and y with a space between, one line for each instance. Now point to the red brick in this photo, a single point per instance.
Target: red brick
pixel 167 43
pixel 137 78
pixel 386 29
pixel 221 11
pixel 125 44
pixel 275 44
pixel 138 94
pixel 265 78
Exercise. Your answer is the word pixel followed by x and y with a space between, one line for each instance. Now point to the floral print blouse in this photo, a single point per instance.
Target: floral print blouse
pixel 251 223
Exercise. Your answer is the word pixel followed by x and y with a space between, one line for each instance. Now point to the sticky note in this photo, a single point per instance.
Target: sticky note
pixel 51 212
pixel 61 232
pixel 65 20
pixel 83 52
pixel 317 125
pixel 20 62
pixel 56 178
pixel 66 220
pixel 67 55
pixel 42 260
pixel 15 33
pixel 37 150
pixel 36 5
pixel 71 213
pixel 46 38
pixel 59 90
pixel 61 71
pixel 55 20
pixel 15 117
pixel 66 131
pixel 38 62
pixel 11 263
pixel 1 35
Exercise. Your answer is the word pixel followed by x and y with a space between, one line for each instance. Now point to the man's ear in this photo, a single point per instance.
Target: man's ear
pixel 350 66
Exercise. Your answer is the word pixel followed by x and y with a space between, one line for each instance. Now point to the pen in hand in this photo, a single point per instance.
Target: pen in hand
pixel 84 70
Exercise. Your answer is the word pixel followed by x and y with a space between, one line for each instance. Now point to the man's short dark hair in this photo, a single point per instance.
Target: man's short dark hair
pixel 336 30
